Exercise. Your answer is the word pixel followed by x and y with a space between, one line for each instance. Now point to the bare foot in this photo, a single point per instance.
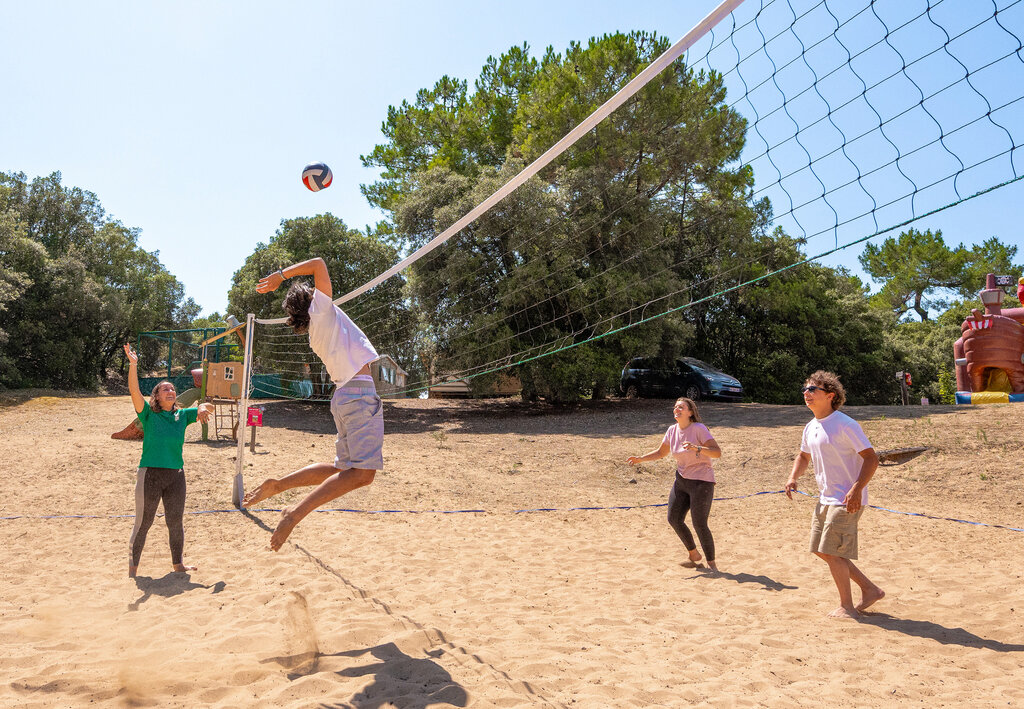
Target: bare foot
pixel 693 561
pixel 869 598
pixel 132 570
pixel 268 488
pixel 284 528
pixel 180 568
pixel 712 565
pixel 848 613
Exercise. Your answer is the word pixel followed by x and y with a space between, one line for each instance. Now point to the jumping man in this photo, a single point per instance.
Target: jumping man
pixel 357 410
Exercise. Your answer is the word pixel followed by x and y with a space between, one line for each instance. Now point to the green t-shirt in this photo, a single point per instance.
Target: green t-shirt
pixel 164 436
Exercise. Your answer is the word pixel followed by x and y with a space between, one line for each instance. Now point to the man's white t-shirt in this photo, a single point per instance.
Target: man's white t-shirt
pixel 835 443
pixel 337 340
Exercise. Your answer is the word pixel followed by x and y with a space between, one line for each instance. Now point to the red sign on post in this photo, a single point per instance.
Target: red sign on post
pixel 255 417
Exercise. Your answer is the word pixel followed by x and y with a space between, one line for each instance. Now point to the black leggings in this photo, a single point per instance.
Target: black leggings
pixel 694 496
pixel 154 485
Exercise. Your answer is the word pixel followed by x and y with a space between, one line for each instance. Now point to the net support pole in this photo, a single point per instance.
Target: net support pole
pixel 237 489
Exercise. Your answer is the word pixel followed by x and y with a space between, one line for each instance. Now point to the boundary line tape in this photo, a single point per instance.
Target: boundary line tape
pixel 536 509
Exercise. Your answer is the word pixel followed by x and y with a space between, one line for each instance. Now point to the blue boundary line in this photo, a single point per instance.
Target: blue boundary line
pixel 927 516
pixel 537 509
pixel 639 507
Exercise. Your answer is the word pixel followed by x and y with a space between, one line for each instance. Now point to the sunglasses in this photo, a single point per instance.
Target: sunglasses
pixel 810 388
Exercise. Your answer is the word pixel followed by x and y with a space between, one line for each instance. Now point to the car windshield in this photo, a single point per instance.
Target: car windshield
pixel 701 366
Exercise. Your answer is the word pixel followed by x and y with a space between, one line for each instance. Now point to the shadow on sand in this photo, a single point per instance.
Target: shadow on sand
pixel 768 583
pixel 938 633
pixel 398 679
pixel 173 584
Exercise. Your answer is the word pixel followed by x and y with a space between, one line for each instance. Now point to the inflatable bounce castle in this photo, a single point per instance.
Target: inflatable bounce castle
pixel 989 356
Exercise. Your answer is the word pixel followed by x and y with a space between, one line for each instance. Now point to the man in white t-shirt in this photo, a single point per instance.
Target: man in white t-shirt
pixel 358 413
pixel 844 462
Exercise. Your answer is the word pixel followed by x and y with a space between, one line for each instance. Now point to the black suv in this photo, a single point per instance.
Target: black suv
pixel 687 377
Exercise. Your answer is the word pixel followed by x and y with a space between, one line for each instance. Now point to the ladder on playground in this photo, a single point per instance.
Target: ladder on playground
pixel 225 418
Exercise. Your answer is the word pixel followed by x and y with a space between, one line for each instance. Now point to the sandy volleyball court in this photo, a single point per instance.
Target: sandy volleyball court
pixel 504 607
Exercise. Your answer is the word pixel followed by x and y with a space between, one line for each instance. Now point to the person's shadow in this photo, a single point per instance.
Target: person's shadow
pixel 398 679
pixel 172 584
pixel 403 680
pixel 769 583
pixel 936 632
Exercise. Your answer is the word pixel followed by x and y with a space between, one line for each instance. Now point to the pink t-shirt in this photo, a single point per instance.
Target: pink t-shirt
pixel 689 465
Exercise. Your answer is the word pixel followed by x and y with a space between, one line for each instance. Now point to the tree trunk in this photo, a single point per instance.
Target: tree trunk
pixel 917 306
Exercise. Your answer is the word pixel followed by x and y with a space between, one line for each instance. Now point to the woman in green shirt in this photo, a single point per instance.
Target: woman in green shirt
pixel 161 474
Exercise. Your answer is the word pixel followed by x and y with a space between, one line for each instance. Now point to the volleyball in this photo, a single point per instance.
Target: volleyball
pixel 317 176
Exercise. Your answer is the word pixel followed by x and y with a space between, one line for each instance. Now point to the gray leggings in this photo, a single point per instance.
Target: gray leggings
pixel 693 496
pixel 154 485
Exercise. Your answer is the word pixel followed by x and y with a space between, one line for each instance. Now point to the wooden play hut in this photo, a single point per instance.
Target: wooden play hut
pixel 223 390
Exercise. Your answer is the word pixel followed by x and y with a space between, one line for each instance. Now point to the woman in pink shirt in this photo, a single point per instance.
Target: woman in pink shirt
pixel 692 445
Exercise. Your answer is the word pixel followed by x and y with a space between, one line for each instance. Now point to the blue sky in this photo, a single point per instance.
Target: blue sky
pixel 192 120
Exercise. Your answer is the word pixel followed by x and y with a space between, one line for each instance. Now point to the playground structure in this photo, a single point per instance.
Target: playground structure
pixel 177 356
pixel 989 356
pixel 216 382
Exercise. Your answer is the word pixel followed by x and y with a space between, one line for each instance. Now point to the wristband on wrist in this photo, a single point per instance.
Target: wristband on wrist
pixel 280 272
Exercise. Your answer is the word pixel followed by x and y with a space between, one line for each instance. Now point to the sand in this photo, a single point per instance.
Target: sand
pixel 504 607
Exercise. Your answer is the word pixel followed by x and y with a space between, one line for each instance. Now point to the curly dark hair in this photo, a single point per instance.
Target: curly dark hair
pixel 296 304
pixel 830 383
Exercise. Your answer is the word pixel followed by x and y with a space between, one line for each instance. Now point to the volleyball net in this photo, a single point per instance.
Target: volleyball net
pixel 774 133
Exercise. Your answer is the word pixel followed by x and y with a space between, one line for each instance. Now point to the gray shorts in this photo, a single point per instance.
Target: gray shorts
pixel 359 416
pixel 834 530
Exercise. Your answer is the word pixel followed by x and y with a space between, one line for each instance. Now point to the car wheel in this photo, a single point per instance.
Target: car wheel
pixel 693 392
pixel 632 392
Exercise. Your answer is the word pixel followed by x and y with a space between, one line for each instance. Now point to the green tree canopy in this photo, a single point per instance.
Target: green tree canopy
pixel 774 333
pixel 919 272
pixel 446 128
pixel 646 214
pixel 74 285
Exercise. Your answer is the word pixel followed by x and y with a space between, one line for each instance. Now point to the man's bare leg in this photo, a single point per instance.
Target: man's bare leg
pixel 840 569
pixel 342 482
pixel 132 570
pixel 869 592
pixel 313 474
